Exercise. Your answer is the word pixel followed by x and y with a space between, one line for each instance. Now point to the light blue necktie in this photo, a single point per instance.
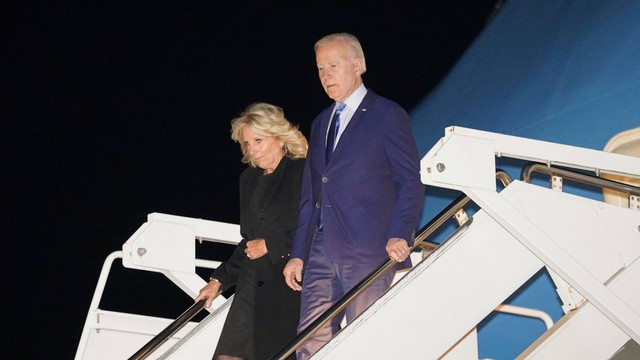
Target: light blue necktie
pixel 333 131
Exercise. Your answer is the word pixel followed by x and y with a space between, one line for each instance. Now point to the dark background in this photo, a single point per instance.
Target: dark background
pixel 113 110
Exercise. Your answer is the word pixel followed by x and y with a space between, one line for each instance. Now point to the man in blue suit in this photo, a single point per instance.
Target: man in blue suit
pixel 361 192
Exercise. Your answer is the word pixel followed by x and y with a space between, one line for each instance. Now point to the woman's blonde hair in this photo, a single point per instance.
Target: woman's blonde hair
pixel 268 120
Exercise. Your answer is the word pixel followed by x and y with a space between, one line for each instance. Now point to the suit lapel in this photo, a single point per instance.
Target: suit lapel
pixel 350 131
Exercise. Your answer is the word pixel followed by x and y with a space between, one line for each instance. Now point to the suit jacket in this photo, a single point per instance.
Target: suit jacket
pixel 276 306
pixel 370 191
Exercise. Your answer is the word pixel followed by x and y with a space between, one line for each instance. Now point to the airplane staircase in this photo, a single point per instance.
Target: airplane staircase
pixel 589 247
pixel 164 244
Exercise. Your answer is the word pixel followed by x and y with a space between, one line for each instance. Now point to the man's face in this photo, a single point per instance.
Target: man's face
pixel 338 70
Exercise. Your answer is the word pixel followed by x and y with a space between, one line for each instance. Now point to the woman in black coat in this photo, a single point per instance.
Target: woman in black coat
pixel 265 311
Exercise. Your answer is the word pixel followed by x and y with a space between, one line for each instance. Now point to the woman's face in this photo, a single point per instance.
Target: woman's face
pixel 265 151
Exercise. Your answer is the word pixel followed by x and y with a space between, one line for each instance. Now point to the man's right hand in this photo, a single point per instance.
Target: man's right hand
pixel 293 274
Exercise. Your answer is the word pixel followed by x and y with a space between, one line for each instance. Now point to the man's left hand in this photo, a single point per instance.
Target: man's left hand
pixel 398 249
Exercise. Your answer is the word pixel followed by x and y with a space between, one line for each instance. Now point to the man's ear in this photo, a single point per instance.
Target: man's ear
pixel 359 66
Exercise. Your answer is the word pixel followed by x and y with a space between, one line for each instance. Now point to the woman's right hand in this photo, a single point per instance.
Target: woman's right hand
pixel 209 292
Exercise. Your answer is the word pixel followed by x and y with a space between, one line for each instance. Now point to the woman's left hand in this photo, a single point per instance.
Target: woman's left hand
pixel 256 248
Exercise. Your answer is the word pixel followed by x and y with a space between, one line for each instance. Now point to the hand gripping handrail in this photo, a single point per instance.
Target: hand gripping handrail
pixel 165 334
pixel 341 304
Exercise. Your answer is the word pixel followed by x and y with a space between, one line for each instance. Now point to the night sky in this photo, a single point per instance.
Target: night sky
pixel 114 110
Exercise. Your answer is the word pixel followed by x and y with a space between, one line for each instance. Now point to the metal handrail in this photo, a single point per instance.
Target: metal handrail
pixel 95 301
pixel 422 234
pixel 528 169
pixel 348 298
pixel 165 334
pixel 528 312
pixel 504 177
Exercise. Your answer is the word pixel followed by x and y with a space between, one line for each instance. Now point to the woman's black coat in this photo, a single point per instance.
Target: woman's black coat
pixel 276 306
